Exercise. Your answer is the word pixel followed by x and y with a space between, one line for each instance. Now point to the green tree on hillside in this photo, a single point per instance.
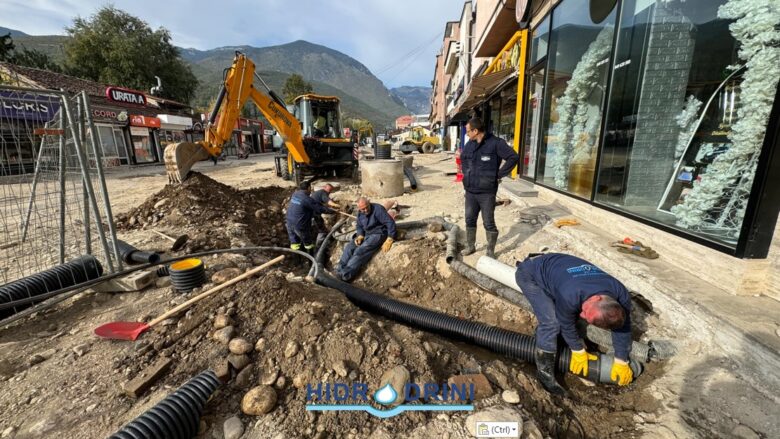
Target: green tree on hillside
pixel 25 57
pixel 294 87
pixel 117 48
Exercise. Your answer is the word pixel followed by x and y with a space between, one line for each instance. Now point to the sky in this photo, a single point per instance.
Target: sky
pixel 396 39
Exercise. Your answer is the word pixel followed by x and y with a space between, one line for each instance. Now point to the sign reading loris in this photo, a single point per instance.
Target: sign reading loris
pixel 125 96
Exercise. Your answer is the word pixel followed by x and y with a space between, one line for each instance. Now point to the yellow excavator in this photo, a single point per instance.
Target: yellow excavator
pixel 420 140
pixel 313 142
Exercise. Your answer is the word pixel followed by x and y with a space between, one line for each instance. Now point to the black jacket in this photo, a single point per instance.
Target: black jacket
pixel 481 164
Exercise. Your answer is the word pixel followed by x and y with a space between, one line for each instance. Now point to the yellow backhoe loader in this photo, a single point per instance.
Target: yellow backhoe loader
pixel 420 140
pixel 313 141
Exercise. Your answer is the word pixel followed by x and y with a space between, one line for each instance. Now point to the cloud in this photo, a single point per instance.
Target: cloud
pixel 375 32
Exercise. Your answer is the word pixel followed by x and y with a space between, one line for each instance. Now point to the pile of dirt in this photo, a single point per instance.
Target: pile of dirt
pixel 215 215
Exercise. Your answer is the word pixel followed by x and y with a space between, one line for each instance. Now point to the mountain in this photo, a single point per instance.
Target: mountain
pixel 329 71
pixel 14 33
pixel 416 99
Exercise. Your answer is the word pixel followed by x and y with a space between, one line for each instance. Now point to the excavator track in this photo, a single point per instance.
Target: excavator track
pixel 180 158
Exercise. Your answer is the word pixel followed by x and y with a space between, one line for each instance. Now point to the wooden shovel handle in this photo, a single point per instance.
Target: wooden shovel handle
pixel 164 236
pixel 346 214
pixel 219 287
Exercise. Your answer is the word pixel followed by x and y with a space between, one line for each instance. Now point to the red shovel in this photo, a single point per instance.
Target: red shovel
pixel 131 330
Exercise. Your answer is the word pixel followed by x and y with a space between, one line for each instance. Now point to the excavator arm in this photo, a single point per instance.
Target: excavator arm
pixel 236 90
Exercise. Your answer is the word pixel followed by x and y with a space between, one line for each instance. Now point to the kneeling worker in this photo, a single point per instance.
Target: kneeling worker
pixel 562 288
pixel 375 229
pixel 299 216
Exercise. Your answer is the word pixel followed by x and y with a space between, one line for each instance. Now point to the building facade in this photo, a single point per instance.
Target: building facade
pixel 664 112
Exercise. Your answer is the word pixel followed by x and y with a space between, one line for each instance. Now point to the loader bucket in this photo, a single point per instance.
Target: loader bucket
pixel 180 158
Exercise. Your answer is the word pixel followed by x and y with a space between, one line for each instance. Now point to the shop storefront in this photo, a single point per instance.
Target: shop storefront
pixel 655 109
pixel 20 114
pixel 111 126
pixel 144 141
pixel 174 129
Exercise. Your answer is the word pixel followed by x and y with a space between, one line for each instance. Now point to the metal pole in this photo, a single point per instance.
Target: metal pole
pixel 63 164
pixel 97 150
pixel 26 224
pixel 88 186
pixel 85 195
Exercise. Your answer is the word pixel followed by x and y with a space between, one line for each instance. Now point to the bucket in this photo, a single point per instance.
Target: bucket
pixel 187 274
pixel 384 151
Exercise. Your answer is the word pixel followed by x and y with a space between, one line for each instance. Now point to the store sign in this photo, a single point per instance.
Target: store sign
pixel 137 131
pixel 137 120
pixel 108 115
pixel 16 105
pixel 125 96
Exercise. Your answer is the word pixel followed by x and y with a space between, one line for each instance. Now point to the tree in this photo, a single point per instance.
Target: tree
pixel 27 58
pixel 294 87
pixel 114 47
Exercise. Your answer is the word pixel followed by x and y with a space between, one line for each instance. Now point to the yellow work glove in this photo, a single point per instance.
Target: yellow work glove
pixel 359 239
pixel 579 362
pixel 386 246
pixel 621 372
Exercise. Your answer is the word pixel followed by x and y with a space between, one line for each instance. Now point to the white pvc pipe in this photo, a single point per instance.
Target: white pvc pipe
pixel 498 271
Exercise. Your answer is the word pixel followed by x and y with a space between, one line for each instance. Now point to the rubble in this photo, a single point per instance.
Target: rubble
pixel 259 401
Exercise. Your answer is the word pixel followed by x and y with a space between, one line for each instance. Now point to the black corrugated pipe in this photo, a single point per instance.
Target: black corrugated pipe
pixel 70 273
pixel 410 175
pixel 132 255
pixel 177 416
pixel 499 340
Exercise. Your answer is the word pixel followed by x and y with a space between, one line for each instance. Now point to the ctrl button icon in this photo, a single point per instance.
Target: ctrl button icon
pixel 498 429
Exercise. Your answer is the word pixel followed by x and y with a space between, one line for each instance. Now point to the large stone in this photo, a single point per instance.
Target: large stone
pixel 259 401
pixel 744 432
pixel 239 346
pixel 225 275
pixel 269 376
pixel 233 428
pixel 494 414
pixel 510 396
pixel 243 379
pixel 482 388
pixel 340 367
pixel 397 377
pixel 224 335
pixel 238 361
pixel 222 321
pixel 291 349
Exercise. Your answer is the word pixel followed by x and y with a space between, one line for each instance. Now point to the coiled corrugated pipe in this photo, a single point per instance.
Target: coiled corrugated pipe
pixel 132 255
pixel 499 340
pixel 177 416
pixel 187 274
pixel 410 175
pixel 163 271
pixel 73 272
pixel 383 151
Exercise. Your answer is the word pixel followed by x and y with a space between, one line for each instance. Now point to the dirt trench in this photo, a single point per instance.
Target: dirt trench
pixel 300 334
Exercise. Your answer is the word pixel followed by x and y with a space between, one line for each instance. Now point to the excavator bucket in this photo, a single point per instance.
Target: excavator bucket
pixel 180 158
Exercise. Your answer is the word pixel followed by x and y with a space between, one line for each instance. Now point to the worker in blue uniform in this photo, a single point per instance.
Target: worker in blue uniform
pixel 375 229
pixel 300 212
pixel 562 288
pixel 485 160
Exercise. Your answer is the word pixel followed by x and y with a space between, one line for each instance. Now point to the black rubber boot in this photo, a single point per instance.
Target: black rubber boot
pixel 492 238
pixel 545 372
pixel 471 241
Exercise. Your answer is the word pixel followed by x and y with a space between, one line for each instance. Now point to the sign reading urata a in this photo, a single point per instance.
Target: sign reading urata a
pixel 125 96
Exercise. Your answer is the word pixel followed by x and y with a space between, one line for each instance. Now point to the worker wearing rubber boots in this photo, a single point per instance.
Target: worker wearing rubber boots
pixel 562 288
pixel 375 229
pixel 300 212
pixel 482 171
pixel 322 197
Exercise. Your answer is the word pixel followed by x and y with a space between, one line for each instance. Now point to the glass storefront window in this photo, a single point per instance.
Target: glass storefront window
pixel 506 128
pixel 540 37
pixel 171 136
pixel 577 66
pixel 143 145
pixel 495 111
pixel 533 121
pixel 674 151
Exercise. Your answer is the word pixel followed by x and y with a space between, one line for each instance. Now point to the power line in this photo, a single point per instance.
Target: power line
pixel 410 61
pixel 405 56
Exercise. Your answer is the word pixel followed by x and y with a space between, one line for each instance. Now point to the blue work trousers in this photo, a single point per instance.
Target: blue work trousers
pixel 485 203
pixel 357 256
pixel 544 308
pixel 300 235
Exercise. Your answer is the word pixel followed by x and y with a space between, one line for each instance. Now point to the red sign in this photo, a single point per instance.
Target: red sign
pixel 137 120
pixel 347 132
pixel 125 96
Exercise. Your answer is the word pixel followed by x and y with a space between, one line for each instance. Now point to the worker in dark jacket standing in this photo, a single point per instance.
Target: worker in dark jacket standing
pixel 375 229
pixel 482 169
pixel 300 212
pixel 562 288
pixel 322 196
